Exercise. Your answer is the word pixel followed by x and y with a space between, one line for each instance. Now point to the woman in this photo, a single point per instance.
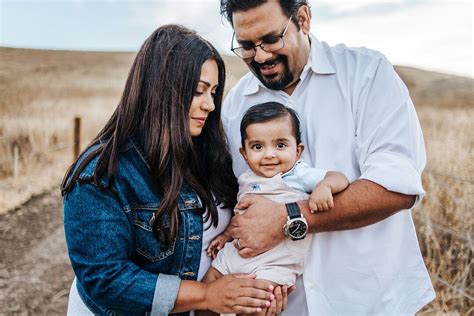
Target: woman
pixel 136 200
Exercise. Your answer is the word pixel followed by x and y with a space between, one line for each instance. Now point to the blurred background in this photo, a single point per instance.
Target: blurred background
pixel 66 61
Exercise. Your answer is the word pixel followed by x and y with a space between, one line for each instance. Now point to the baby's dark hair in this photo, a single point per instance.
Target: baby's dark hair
pixel 269 111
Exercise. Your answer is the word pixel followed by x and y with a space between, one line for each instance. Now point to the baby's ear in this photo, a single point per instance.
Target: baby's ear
pixel 243 153
pixel 299 149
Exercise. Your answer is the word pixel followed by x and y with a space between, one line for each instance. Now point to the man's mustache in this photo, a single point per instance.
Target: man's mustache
pixel 268 62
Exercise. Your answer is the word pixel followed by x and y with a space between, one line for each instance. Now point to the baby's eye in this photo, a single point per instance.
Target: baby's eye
pixel 256 147
pixel 281 145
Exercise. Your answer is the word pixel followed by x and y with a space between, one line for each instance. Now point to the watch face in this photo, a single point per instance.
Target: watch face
pixel 297 228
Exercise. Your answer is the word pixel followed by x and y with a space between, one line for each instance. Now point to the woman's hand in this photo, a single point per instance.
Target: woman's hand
pixel 240 294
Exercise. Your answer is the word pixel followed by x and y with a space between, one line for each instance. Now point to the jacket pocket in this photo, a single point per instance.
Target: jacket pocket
pixel 146 243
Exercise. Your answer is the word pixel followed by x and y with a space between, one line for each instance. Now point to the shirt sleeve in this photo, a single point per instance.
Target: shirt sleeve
pixel 308 176
pixel 389 142
pixel 100 242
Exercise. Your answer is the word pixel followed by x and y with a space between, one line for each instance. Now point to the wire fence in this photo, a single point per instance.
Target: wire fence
pixel 454 288
pixel 444 175
pixel 440 228
pixel 445 229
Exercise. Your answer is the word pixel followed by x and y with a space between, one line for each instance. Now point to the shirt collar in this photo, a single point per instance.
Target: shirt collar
pixel 318 61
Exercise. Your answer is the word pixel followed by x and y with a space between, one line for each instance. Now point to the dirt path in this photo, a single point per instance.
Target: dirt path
pixel 35 274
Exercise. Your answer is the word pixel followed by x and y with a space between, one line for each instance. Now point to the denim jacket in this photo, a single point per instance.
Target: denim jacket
pixel 119 264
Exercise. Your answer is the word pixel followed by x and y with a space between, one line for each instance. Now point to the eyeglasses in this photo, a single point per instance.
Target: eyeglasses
pixel 268 45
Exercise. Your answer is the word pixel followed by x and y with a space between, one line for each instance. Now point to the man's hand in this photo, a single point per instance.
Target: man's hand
pixel 260 227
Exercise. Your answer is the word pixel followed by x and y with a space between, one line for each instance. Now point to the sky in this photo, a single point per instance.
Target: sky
pixel 429 34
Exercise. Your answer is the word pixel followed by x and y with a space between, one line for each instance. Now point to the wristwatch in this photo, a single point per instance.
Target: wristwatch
pixel 296 226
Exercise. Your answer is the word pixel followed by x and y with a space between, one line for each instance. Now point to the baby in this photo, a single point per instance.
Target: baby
pixel 271 146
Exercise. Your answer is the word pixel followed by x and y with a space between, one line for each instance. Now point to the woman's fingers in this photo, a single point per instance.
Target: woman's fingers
pixel 271 311
pixel 246 310
pixel 245 275
pixel 284 293
pixel 239 293
pixel 252 302
pixel 259 284
pixel 260 294
pixel 278 299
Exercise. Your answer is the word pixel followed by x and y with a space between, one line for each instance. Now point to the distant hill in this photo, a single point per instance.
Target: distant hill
pixel 428 88
pixel 27 75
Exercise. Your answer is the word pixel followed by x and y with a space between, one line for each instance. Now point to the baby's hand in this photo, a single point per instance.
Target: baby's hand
pixel 217 244
pixel 321 198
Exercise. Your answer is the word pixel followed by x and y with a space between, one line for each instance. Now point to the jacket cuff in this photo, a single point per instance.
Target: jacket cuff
pixel 166 291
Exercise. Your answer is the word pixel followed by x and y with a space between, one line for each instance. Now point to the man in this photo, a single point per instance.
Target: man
pixel 357 118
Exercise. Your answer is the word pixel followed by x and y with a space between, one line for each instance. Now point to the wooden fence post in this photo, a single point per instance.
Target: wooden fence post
pixel 16 158
pixel 77 136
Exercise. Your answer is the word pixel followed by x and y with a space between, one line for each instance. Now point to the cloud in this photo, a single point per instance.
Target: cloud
pixel 202 16
pixel 433 34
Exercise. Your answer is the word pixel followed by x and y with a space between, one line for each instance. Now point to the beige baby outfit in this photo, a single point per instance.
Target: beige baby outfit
pixel 285 261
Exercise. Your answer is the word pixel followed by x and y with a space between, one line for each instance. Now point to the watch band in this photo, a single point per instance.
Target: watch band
pixel 293 210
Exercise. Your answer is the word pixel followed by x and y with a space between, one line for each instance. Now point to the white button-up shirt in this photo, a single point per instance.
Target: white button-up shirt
pixel 357 118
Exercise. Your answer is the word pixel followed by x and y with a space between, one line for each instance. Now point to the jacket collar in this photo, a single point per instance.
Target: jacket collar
pixel 137 143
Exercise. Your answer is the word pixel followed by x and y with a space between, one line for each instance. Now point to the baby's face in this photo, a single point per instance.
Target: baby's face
pixel 271 147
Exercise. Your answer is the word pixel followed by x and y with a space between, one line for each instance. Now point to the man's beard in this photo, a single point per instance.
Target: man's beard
pixel 269 81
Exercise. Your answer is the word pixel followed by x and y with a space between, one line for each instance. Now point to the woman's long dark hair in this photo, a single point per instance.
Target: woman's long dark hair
pixel 155 108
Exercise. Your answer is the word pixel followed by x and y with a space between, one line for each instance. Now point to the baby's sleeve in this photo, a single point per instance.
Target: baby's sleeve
pixel 309 177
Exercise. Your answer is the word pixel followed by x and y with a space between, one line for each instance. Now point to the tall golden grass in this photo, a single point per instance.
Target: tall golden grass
pixel 42 91
pixel 445 217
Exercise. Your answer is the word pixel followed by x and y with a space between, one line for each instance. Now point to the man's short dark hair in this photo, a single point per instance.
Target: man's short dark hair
pixel 289 7
pixel 269 111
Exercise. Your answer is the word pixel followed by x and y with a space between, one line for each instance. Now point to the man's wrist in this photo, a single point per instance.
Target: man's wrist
pixel 296 226
pixel 305 210
pixel 283 217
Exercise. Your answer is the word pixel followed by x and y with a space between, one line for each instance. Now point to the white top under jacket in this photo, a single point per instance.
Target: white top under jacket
pixel 357 118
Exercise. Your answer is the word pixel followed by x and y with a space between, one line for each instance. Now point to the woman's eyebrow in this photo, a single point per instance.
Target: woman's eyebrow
pixel 208 84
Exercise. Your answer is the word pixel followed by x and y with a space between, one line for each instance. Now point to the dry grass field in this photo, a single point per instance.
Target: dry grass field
pixel 42 91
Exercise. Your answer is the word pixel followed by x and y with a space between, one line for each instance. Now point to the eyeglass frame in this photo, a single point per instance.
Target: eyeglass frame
pixel 262 44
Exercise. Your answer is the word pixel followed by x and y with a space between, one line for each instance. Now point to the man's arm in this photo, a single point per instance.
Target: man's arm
pixel 363 203
pixel 390 153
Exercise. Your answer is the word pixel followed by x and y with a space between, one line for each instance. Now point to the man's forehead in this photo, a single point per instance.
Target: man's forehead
pixel 259 21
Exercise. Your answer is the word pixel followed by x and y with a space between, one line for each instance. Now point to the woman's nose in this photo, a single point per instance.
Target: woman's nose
pixel 208 104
